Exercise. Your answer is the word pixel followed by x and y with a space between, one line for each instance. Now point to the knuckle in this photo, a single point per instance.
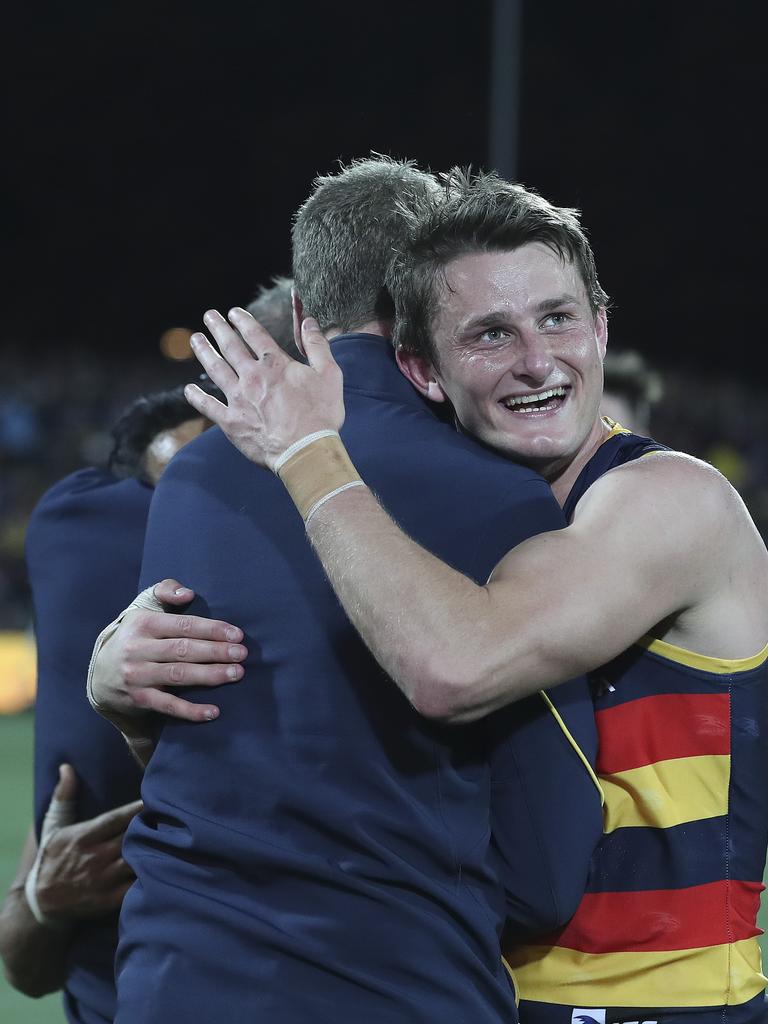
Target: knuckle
pixel 176 673
pixel 181 647
pixel 184 622
pixel 167 705
pixel 129 647
pixel 142 698
pixel 128 671
pixel 139 621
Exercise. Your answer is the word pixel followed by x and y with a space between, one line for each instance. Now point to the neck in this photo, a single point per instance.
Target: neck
pixel 562 476
pixel 383 328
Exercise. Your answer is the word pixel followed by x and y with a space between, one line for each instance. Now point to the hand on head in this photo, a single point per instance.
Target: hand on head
pixel 272 400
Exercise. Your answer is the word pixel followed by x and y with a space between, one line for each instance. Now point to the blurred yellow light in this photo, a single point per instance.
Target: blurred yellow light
pixel 174 344
pixel 18 672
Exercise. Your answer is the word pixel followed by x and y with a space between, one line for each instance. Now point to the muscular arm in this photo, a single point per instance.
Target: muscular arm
pixel 559 605
pixel 650 541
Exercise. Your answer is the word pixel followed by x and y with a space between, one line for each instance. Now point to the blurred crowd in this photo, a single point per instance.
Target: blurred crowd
pixel 56 412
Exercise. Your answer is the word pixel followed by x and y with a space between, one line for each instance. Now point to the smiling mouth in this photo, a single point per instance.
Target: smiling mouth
pixel 541 401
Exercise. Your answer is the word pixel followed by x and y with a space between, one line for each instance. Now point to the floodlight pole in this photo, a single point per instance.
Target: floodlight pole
pixel 504 113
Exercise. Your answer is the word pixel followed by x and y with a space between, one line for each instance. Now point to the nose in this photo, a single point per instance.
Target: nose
pixel 535 361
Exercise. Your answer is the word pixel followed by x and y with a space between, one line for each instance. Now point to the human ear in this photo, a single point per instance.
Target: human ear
pixel 601 330
pixel 297 315
pixel 421 373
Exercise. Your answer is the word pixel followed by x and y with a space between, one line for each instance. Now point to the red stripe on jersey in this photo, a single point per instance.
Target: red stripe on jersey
pixel 662 728
pixel 663 919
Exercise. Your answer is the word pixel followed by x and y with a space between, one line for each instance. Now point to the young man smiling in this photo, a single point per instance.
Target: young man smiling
pixel 658 587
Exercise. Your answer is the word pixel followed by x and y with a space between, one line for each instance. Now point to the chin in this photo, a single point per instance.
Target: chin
pixel 527 449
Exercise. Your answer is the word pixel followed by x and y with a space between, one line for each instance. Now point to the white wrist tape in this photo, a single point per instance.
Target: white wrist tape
pixel 59 814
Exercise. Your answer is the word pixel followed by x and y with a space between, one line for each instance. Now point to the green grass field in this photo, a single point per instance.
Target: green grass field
pixel 16 773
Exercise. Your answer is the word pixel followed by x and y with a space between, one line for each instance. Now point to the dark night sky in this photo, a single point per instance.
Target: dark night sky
pixel 155 153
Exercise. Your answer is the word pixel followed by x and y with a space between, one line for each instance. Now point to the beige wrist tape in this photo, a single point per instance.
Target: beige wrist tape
pixel 316 469
pixel 147 601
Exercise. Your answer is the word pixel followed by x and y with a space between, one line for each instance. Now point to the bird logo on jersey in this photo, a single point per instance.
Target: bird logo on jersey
pixel 587 1016
pixel 583 1016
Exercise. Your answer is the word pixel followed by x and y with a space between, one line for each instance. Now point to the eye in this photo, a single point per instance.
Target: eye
pixel 556 320
pixel 492 334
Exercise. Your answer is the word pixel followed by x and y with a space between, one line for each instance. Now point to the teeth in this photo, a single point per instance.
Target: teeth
pixel 542 396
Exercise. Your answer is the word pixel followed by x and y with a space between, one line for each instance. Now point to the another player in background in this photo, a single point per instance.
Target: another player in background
pixel 631 389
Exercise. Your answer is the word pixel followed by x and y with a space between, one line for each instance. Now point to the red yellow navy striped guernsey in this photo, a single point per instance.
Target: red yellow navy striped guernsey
pixel 667 928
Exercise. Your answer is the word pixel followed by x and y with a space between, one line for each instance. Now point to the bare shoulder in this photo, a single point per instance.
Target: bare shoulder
pixel 685 522
pixel 684 490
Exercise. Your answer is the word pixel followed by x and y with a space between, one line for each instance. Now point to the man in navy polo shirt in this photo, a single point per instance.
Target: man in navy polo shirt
pixel 321 852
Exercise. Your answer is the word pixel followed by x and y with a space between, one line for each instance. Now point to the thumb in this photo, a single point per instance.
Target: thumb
pixel 172 592
pixel 66 787
pixel 315 344
pixel 61 809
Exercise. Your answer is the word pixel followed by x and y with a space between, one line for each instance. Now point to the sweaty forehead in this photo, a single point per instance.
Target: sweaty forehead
pixel 516 280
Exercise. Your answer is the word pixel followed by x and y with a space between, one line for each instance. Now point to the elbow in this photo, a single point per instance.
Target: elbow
pixel 446 692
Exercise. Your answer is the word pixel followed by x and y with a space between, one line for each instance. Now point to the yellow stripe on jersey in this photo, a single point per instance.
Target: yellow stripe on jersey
pixel 718 666
pixel 667 793
pixel 509 971
pixel 682 977
pixel 614 427
pixel 572 740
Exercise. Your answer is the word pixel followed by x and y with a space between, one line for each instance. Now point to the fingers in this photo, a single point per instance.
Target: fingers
pixel 172 592
pixel 229 341
pixel 198 652
pixel 205 404
pixel 66 787
pixel 258 339
pixel 315 344
pixel 168 625
pixel 111 823
pixel 175 707
pixel 146 675
pixel 218 368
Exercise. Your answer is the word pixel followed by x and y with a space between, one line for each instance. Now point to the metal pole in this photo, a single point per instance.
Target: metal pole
pixel 504 114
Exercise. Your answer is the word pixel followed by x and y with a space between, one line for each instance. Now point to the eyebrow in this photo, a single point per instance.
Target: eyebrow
pixel 498 316
pixel 547 305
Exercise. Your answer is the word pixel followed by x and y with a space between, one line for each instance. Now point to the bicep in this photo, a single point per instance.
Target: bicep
pixel 584 594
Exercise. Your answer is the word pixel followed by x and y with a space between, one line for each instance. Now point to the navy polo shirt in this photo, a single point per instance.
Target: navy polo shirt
pixel 83 551
pixel 321 852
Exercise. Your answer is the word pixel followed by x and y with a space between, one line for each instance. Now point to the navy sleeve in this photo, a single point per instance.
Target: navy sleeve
pixel 546 814
pixel 83 551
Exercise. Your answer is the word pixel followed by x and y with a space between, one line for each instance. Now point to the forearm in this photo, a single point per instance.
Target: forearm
pixel 34 956
pixel 429 626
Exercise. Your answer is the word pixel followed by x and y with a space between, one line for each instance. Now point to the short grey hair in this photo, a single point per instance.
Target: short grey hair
pixel 345 236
